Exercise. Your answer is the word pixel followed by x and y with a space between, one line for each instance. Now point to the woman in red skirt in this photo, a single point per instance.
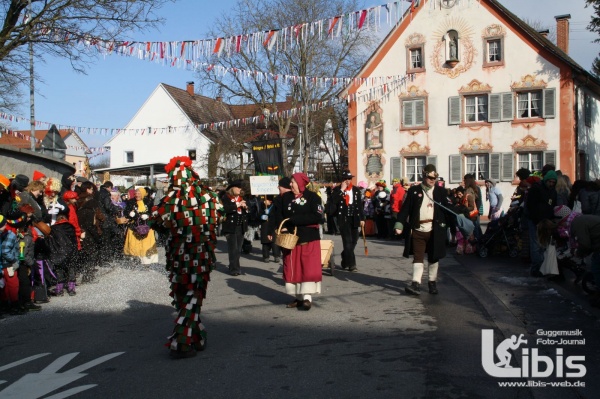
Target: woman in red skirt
pixel 302 269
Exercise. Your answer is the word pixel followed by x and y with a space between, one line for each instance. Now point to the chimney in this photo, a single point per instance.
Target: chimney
pixel 562 32
pixel 190 88
pixel 544 33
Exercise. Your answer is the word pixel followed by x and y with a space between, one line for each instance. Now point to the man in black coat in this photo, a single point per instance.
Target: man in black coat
pixel 426 224
pixel 347 205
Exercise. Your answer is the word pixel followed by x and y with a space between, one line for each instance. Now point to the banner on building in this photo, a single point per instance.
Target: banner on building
pixel 268 159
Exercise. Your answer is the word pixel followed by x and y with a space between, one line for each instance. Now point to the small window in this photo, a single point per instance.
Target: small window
pixel 494 52
pixel 476 108
pixel 414 113
pixel 413 167
pixel 587 101
pixel 529 104
pixel 477 164
pixel 192 154
pixel 128 156
pixel 530 160
pixel 416 59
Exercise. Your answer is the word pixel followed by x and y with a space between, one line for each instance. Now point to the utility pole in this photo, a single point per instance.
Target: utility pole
pixel 31 82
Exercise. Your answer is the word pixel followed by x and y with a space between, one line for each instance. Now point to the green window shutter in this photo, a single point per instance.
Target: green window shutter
pixel 508 105
pixel 494 107
pixel 495 159
pixel 550 158
pixel 507 166
pixel 396 168
pixel 408 113
pixel 431 160
pixel 454 111
pixel 549 99
pixel 455 168
pixel 419 112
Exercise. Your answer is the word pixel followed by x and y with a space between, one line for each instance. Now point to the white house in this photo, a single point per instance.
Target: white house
pixel 488 95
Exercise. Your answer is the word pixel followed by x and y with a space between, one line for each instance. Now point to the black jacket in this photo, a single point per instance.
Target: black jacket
pixel 232 217
pixel 409 216
pixel 540 203
pixel 352 214
pixel 304 214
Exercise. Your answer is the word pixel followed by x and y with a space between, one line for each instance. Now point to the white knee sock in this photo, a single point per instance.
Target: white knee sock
pixel 307 297
pixel 433 271
pixel 417 272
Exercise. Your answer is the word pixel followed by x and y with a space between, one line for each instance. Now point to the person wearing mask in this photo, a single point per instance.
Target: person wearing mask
pixel 235 224
pixel 540 203
pixel 140 242
pixel 302 269
pixel 349 208
pixel 190 212
pixel 426 225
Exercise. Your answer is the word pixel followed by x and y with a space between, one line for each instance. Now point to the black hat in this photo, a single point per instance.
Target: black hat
pixel 20 182
pixel 81 179
pixel 346 175
pixel 235 183
pixel 285 182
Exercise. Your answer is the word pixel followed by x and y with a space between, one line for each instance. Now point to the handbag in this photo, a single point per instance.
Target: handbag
pixel 550 264
pixel 142 229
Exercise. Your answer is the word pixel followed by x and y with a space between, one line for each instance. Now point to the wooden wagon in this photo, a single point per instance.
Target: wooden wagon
pixel 327 258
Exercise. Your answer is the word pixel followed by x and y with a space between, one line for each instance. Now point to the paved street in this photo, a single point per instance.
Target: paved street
pixel 363 337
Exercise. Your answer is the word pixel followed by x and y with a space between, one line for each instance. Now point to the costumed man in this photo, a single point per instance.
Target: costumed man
pixel 349 210
pixel 425 223
pixel 190 212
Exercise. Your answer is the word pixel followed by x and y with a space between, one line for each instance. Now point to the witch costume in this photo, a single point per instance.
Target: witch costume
pixel 190 212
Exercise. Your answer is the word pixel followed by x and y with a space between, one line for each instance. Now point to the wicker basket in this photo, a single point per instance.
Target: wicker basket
pixel 286 240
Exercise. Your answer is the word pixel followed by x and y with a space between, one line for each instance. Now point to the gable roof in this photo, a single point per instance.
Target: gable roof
pixel 18 140
pixel 526 29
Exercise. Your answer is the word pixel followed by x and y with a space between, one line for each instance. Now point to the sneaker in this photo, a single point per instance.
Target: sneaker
pixel 266 260
pixel 432 288
pixel 352 269
pixel 277 260
pixel 413 289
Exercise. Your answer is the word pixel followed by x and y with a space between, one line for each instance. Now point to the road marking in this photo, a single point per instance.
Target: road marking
pixel 36 385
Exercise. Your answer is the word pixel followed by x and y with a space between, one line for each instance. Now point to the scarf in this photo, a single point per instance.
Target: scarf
pixel 302 180
pixel 348 193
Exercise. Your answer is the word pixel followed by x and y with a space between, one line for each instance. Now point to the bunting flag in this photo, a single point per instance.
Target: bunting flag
pixel 388 84
pixel 187 51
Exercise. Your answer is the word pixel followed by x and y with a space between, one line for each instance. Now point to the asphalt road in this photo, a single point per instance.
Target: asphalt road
pixel 363 336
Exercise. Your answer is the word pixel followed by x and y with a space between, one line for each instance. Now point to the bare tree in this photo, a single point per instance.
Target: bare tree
pixel 539 26
pixel 308 56
pixel 54 27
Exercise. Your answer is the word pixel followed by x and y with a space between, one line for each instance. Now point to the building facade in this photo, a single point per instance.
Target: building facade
pixel 487 95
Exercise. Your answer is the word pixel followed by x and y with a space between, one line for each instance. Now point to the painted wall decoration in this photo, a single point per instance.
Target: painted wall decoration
pixel 373 131
pixel 453 53
pixel 374 162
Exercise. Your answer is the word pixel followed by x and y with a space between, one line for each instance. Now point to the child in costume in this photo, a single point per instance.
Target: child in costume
pixel 190 212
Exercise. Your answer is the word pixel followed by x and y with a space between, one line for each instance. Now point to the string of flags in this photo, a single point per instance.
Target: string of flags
pixel 185 53
pixel 393 84
pixel 27 137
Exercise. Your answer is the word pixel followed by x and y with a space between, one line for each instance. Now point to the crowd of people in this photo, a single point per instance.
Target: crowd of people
pixel 55 234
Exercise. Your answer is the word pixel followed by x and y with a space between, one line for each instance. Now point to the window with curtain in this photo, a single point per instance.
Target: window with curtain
pixel 494 48
pixel 530 160
pixel 416 59
pixel 413 167
pixel 476 108
pixel 477 164
pixel 529 104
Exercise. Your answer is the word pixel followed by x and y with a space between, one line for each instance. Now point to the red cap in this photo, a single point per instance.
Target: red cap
pixel 69 195
pixel 37 175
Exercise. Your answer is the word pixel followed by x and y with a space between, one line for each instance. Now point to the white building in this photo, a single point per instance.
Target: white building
pixel 488 95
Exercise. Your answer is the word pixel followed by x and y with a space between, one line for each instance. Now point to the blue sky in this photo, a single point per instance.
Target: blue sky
pixel 115 87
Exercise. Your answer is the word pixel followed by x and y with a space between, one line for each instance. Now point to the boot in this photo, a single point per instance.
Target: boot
pixel 432 288
pixel 71 288
pixel 413 289
pixel 58 290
